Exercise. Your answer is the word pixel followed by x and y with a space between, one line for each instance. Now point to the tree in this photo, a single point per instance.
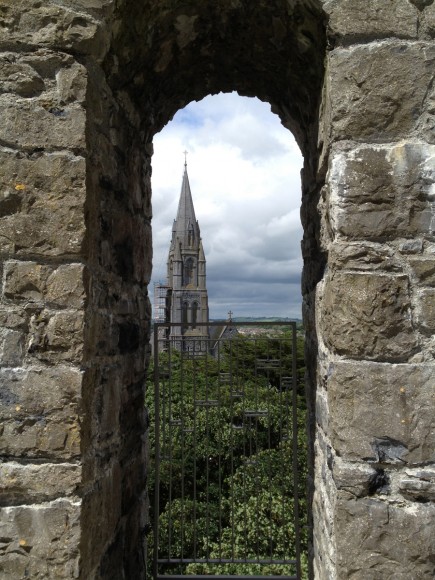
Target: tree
pixel 226 478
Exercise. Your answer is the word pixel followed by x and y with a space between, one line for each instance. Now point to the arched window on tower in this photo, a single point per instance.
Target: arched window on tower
pixel 190 235
pixel 188 271
pixel 194 314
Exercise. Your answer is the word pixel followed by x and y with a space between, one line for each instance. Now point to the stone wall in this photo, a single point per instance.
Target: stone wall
pixel 375 436
pixel 85 86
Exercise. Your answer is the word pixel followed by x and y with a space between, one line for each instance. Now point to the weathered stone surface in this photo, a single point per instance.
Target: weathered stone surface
pixel 32 282
pixel 25 280
pixel 106 502
pixel 40 412
pixel 11 347
pixel 355 20
pixel 411 246
pixel 19 78
pixel 14 324
pixel 66 286
pixel 31 483
pixel 37 125
pixel 382 413
pixel 426 309
pixel 163 55
pixel 418 484
pixel 423 268
pixel 354 478
pixel 57 337
pixel 383 192
pixel 40 542
pixel 28 23
pixel 364 257
pixel 382 98
pixel 427 22
pixel 368 316
pixel 376 540
pixel 41 203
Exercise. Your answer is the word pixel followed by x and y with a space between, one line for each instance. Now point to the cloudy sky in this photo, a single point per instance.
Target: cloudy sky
pixel 244 173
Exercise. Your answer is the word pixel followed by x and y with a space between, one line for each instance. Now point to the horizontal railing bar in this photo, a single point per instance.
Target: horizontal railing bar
pixel 219 577
pixel 222 561
pixel 226 323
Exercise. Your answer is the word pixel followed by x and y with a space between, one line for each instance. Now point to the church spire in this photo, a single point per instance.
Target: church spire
pixel 185 227
pixel 187 298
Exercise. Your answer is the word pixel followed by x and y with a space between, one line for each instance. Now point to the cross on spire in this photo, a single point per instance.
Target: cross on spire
pixel 185 158
pixel 230 316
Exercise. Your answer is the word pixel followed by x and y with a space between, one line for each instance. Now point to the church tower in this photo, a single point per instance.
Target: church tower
pixel 187 295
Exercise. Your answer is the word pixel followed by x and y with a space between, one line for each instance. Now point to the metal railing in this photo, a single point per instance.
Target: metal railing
pixel 226 496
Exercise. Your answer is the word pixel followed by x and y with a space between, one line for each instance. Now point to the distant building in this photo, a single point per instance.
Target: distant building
pixel 185 293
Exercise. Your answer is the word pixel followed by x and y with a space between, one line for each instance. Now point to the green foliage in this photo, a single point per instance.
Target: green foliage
pixel 226 476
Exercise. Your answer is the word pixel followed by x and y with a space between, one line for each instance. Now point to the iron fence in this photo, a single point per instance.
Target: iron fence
pixel 226 496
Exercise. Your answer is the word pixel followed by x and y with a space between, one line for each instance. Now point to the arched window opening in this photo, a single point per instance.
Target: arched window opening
pixel 188 271
pixel 253 271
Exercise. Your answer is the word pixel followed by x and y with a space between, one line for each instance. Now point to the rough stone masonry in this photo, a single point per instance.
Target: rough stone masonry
pixel 85 84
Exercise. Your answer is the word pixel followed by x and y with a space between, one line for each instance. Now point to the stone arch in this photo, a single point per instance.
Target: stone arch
pixel 165 55
pixel 87 85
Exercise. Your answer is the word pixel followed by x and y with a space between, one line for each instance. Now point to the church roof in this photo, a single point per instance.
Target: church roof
pixel 185 221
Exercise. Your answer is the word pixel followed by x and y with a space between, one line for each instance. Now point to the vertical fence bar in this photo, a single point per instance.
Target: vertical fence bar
pixel 157 449
pixel 295 451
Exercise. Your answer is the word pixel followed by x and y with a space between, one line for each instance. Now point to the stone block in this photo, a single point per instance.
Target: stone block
pixel 25 280
pixel 101 513
pixel 354 20
pixel 42 204
pixel 57 337
pixel 30 125
pixel 65 331
pixel 13 329
pixel 72 83
pixel 11 347
pixel 13 318
pixel 33 282
pixel 19 78
pixel 30 23
pixel 382 192
pixel 363 256
pixel 426 309
pixel 37 483
pixel 382 413
pixel 376 540
pixel 368 316
pixel 65 286
pixel 427 22
pixel 40 412
pixel 423 269
pixel 351 477
pixel 40 541
pixel 377 92
pixel 418 484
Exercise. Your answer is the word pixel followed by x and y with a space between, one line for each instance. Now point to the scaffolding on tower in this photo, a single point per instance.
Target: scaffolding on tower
pixel 160 307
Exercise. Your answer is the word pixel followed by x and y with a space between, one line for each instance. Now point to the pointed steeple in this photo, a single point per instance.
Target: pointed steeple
pixel 185 225
pixel 188 301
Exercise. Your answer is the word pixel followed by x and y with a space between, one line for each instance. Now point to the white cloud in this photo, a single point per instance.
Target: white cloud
pixel 244 172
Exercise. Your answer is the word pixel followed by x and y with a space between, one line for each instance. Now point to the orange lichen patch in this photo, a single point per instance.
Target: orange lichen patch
pixel 20 186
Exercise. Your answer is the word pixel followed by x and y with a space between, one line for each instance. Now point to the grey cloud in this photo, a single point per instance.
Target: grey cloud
pixel 252 244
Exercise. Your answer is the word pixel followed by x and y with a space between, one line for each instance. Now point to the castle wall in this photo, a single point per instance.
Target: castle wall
pixel 85 86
